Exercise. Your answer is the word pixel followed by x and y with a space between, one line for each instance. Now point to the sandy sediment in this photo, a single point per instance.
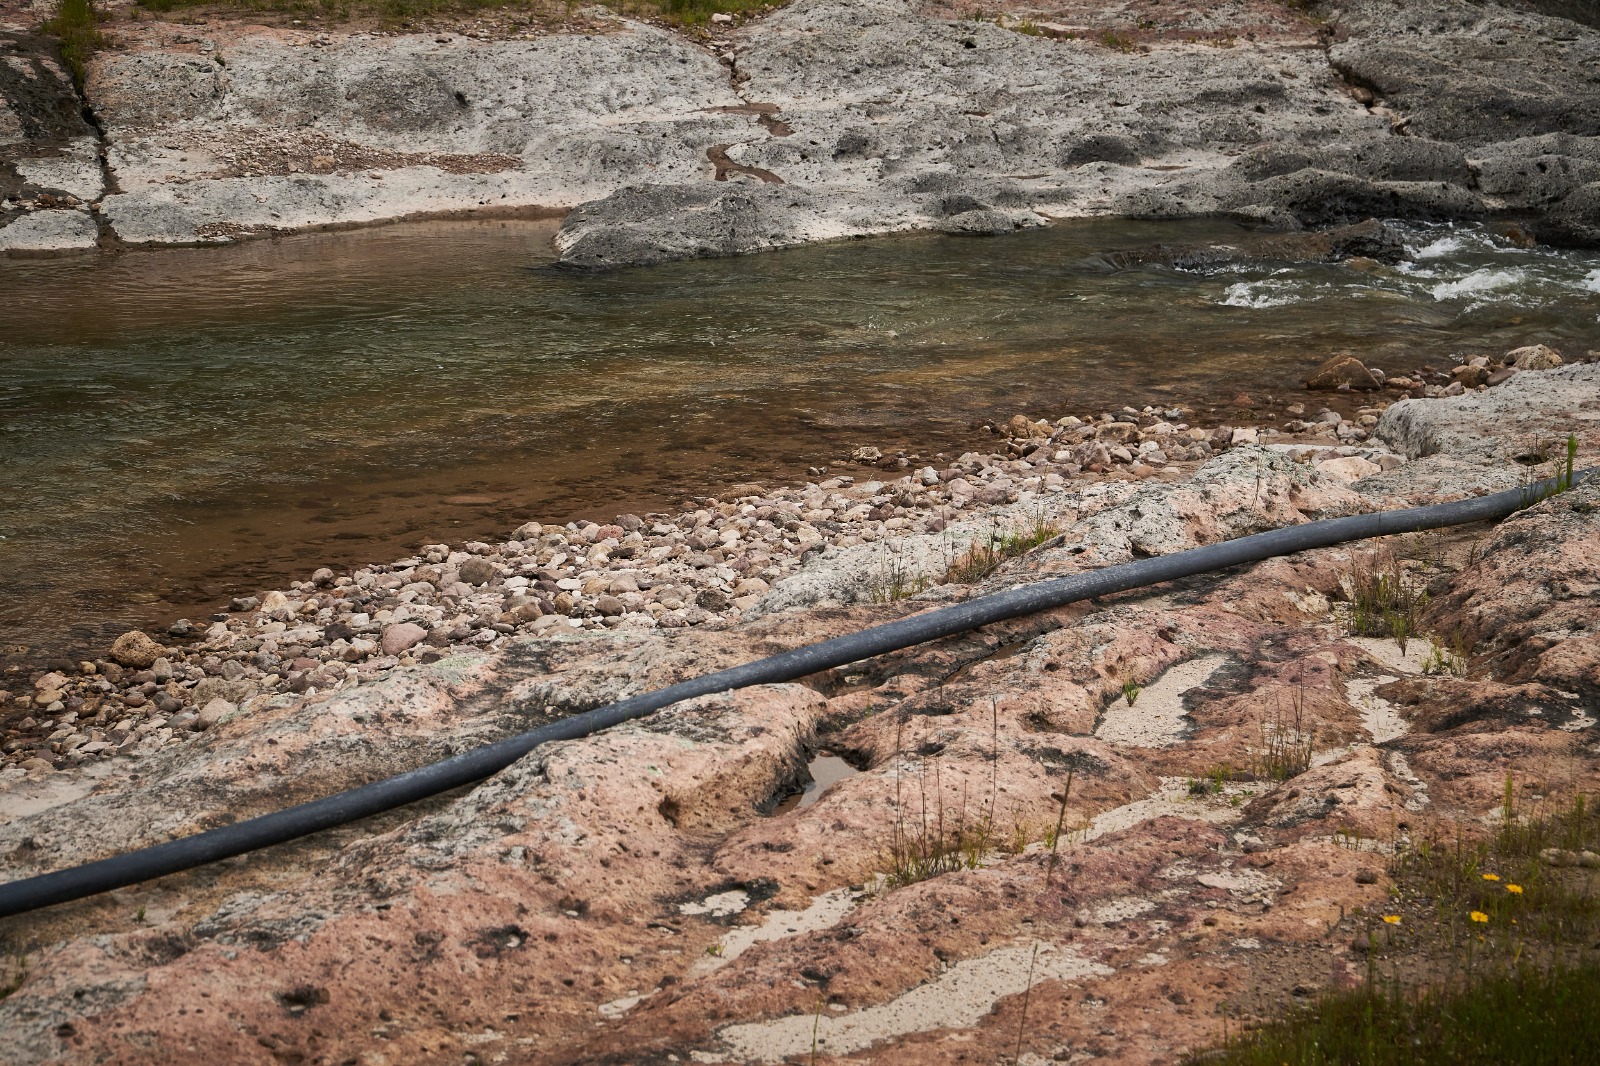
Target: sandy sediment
pixel 639 895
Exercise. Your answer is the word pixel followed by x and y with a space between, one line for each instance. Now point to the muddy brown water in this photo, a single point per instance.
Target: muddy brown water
pixel 183 425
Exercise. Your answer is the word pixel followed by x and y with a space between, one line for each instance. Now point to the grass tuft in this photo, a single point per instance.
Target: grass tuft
pixel 986 556
pixel 77 26
pixel 1492 952
pixel 1384 600
pixel 1117 42
pixel 894 580
pixel 1284 745
pixel 936 840
pixel 1524 1016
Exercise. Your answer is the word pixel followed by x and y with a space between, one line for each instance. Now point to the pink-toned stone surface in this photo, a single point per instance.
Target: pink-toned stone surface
pixel 605 900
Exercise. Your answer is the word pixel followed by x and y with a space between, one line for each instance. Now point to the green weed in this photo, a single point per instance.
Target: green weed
pixel 1384 600
pixel 1565 474
pixel 1450 660
pixel 77 26
pixel 986 556
pixel 1212 782
pixel 1130 692
pixel 1117 42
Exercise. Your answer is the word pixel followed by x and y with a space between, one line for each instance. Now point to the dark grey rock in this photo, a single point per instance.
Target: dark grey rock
pixel 1321 198
pixel 1472 74
pixel 1575 221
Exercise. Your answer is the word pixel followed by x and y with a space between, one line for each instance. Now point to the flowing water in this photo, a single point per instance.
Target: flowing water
pixel 183 425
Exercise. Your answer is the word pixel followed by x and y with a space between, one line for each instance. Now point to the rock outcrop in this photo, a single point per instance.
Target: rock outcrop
pixel 826 119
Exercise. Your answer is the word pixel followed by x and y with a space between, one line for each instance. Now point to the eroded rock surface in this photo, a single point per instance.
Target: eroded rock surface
pixel 639 895
pixel 837 118
pixel 49 158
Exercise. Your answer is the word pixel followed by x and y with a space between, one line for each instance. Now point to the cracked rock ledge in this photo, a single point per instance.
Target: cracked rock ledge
pixel 823 120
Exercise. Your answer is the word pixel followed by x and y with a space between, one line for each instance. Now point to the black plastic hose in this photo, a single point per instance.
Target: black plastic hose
pixel 29 894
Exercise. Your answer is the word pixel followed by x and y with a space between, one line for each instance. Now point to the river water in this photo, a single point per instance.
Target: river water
pixel 179 426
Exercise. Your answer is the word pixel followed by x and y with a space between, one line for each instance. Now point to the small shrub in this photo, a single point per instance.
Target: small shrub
pixel 1117 42
pixel 1130 692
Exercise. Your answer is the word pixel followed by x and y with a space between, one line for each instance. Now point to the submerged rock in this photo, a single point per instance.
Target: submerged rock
pixel 1342 371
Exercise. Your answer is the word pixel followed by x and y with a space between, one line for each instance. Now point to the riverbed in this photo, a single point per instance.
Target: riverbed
pixel 180 426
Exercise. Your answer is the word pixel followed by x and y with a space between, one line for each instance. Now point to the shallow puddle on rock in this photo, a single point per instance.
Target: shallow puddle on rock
pixel 27 798
pixel 1174 799
pixel 721 905
pixel 826 770
pixel 1003 652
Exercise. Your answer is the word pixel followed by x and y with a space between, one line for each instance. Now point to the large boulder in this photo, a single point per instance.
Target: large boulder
pixel 1534 357
pixel 656 223
pixel 1574 222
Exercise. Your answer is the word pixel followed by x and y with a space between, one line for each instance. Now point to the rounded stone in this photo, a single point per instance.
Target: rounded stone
pixel 135 649
pixel 402 636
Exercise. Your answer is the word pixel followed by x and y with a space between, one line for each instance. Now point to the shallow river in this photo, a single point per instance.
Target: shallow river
pixel 184 425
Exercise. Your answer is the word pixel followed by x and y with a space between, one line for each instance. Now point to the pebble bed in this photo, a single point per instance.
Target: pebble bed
pixel 706 566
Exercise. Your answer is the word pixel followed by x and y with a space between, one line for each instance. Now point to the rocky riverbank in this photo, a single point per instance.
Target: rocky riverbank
pixel 891 525
pixel 825 119
pixel 639 896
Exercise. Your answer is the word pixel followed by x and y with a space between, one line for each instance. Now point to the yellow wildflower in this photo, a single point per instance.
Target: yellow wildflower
pixel 1392 919
pixel 1491 877
pixel 1514 889
pixel 1479 916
